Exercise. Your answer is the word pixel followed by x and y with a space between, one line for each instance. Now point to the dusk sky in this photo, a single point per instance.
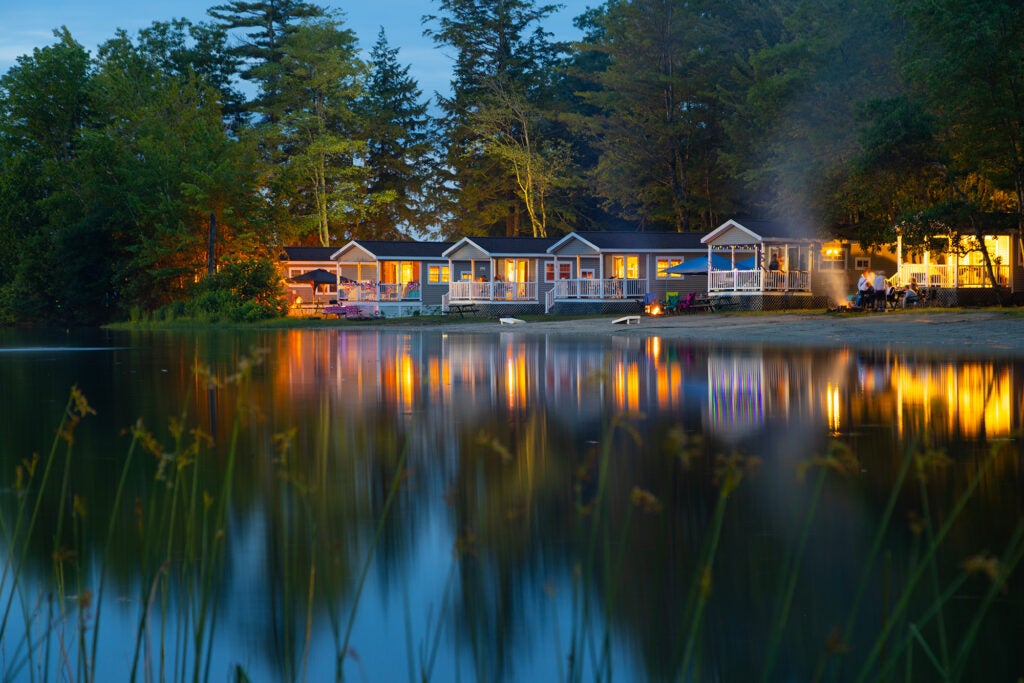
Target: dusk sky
pixel 28 24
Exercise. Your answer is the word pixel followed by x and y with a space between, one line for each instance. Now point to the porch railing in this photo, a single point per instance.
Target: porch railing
pixel 759 281
pixel 492 291
pixel 952 275
pixel 599 289
pixel 381 291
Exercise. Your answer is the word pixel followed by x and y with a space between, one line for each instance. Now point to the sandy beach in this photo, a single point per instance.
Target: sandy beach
pixel 953 331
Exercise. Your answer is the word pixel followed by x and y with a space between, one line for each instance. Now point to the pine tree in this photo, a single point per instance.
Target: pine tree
pixel 500 48
pixel 399 153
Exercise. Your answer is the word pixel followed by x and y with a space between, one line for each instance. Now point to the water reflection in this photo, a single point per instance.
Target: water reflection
pixel 550 508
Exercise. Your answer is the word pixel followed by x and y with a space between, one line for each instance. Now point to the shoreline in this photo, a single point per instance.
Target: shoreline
pixel 971 331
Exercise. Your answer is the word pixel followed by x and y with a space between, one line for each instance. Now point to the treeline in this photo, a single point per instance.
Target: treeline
pixel 851 115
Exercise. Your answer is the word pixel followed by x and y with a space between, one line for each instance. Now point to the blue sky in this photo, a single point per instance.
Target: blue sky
pixel 27 24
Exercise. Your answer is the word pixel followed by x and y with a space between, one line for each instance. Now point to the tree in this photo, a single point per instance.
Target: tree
pixel 44 107
pixel 508 130
pixel 154 166
pixel 497 44
pixel 264 25
pixel 314 131
pixel 794 98
pixel 656 122
pixel 399 155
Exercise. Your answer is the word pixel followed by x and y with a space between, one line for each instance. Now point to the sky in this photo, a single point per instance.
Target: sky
pixel 28 24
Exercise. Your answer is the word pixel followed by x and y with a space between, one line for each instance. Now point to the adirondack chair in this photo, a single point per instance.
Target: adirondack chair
pixel 671 302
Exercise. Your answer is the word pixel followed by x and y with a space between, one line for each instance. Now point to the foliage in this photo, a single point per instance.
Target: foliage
pixel 240 291
pixel 857 116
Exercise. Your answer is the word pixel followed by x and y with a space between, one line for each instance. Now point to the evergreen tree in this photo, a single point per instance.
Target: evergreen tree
pixel 399 155
pixel 655 123
pixel 500 47
pixel 263 26
pixel 313 133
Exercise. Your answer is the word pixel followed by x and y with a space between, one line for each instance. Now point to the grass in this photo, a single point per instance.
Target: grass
pixel 182 530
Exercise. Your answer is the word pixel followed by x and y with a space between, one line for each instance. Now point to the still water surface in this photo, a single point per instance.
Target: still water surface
pixel 406 506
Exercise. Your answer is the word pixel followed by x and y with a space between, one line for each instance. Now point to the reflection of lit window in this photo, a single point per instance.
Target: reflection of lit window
pixel 832 406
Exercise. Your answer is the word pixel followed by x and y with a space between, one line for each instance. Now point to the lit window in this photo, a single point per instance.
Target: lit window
pixel 664 263
pixel 437 274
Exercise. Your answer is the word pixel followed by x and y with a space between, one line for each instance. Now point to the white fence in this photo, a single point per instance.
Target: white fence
pixel 492 291
pixel 759 281
pixel 599 289
pixel 952 275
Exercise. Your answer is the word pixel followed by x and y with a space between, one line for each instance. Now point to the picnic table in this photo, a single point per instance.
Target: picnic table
pixel 462 310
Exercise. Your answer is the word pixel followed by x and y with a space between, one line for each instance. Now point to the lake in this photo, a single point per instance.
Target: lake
pixel 387 505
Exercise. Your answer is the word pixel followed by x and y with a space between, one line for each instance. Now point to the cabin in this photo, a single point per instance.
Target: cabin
pixel 954 271
pixel 503 276
pixel 302 295
pixel 393 278
pixel 617 272
pixel 771 266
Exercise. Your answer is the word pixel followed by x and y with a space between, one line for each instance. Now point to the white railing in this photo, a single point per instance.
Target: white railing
pixel 759 281
pixel 492 291
pixel 599 289
pixel 952 275
pixel 382 291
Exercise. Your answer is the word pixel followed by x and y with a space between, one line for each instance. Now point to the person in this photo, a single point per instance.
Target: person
pixel 910 294
pixel 865 290
pixel 879 286
pixel 774 264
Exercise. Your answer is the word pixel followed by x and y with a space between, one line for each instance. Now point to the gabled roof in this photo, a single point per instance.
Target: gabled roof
pixel 631 241
pixel 760 230
pixel 404 249
pixel 308 253
pixel 506 246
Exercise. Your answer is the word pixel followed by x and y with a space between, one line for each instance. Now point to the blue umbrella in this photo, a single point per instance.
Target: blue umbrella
pixel 700 265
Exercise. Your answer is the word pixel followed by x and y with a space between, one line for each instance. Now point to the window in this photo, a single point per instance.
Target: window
pixel 862 263
pixel 437 274
pixel 664 263
pixel 564 271
pixel 833 258
pixel 626 267
pixel 549 272
pixel 586 273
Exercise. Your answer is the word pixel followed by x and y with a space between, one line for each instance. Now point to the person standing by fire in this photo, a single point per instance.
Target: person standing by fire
pixel 879 286
pixel 865 291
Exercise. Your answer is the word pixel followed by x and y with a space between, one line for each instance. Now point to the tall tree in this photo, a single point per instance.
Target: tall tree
pixel 314 130
pixel 154 167
pixel 499 47
pixel 262 26
pixel 795 97
pixel 399 157
pixel 44 108
pixel 656 124
pixel 966 60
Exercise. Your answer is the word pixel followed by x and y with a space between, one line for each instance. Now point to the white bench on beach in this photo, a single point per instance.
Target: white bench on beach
pixel 627 320
pixel 510 321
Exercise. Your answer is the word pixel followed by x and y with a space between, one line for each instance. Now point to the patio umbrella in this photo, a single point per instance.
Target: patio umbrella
pixel 318 277
pixel 699 265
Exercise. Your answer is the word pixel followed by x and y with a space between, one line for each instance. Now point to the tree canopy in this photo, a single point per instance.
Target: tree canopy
pixel 859 116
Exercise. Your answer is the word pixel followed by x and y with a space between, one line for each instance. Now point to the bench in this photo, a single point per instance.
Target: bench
pixel 627 320
pixel 462 310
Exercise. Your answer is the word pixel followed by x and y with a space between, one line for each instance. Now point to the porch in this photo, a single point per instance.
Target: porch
pixel 375 292
pixel 951 276
pixel 463 292
pixel 595 290
pixel 729 281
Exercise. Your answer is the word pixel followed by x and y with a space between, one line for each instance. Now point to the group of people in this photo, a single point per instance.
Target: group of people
pixel 875 293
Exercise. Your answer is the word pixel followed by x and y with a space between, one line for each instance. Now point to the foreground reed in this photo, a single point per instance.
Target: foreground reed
pixel 53 628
